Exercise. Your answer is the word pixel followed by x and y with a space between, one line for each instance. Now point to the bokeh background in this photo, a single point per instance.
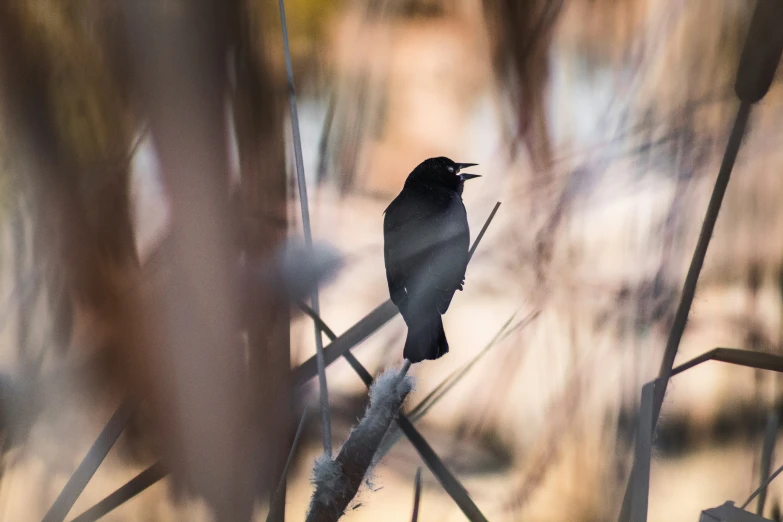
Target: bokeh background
pixel 599 125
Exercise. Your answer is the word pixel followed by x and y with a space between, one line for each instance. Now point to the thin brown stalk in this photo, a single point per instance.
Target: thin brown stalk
pixel 699 254
pixel 748 358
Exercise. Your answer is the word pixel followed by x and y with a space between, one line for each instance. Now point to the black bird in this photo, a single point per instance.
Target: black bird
pixel 426 249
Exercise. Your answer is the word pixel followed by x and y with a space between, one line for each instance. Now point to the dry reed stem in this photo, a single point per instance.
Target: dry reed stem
pixel 326 426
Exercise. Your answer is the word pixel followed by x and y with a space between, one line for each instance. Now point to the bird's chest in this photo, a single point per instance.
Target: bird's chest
pixel 434 204
pixel 436 225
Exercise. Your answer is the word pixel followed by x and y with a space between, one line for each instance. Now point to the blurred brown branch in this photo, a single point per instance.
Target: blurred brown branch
pixel 259 117
pixel 521 36
pixel 72 78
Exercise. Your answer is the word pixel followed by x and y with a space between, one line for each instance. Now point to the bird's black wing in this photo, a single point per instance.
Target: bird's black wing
pixel 405 233
pixel 448 262
pixel 426 243
pixel 438 268
pixel 393 259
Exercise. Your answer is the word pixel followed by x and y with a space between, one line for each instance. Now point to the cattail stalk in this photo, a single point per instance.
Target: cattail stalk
pixel 337 481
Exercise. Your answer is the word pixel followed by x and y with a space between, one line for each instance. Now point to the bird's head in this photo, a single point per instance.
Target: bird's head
pixel 442 171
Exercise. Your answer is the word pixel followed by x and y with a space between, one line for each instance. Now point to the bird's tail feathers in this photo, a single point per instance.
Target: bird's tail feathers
pixel 426 341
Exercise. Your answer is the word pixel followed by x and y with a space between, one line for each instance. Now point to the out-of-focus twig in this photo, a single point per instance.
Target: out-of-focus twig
pixel 449 382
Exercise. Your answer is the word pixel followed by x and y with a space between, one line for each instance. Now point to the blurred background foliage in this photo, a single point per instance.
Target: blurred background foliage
pixel 600 124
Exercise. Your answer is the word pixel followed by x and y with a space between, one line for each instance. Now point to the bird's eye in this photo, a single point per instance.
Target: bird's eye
pixel 451 169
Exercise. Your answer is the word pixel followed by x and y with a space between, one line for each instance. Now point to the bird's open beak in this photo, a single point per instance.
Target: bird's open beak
pixel 461 166
pixel 465 177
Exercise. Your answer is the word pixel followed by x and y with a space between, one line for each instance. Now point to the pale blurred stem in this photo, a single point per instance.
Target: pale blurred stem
pixel 454 377
pixel 197 370
pixel 21 274
pixel 302 182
